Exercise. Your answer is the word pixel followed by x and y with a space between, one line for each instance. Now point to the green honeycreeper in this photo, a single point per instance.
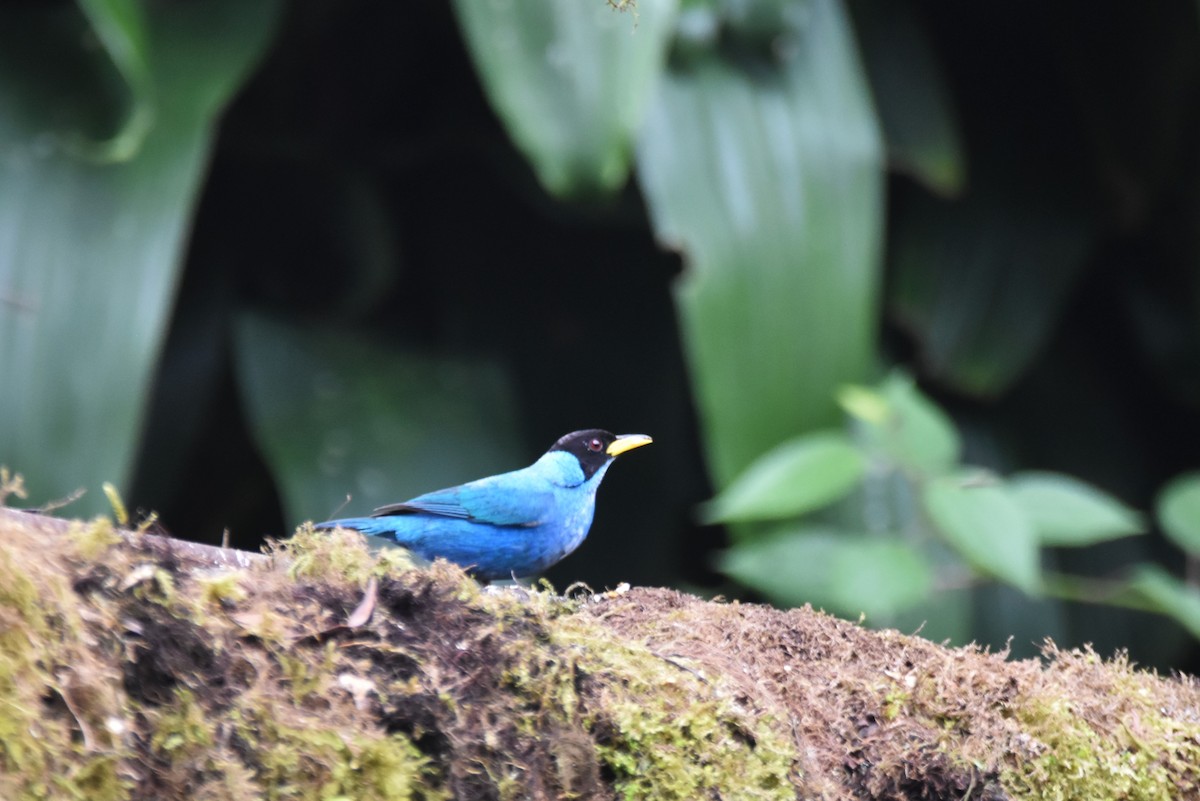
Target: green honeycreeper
pixel 510 525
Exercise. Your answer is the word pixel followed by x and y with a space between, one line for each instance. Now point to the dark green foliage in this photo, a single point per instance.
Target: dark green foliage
pixel 920 521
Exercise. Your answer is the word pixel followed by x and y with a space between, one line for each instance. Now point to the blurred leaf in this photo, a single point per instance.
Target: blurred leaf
pixel 910 93
pixel 917 433
pixel 832 569
pixel 335 415
pixel 796 477
pixel 569 80
pixel 89 253
pixel 120 25
pixel 1067 512
pixel 767 174
pixel 864 403
pixel 754 22
pixel 1179 512
pixel 1164 593
pixel 988 529
pixel 980 282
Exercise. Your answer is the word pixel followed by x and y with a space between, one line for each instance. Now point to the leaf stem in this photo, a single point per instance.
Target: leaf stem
pixel 1088 590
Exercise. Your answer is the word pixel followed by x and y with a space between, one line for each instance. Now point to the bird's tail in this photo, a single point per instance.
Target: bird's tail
pixel 371 526
pixel 377 533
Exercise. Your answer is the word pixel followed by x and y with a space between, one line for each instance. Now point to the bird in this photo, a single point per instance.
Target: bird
pixel 510 525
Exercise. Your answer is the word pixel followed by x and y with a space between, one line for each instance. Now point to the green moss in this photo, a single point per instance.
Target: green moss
pixel 222 588
pixel 39 752
pixel 1078 761
pixel 90 540
pixel 183 730
pixel 896 702
pixel 663 731
pixel 22 678
pixel 315 764
pixel 318 555
pixel 675 750
pixel 305 675
pixel 115 501
pixel 264 717
pixel 340 555
pixel 11 484
pixel 297 760
pixel 95 778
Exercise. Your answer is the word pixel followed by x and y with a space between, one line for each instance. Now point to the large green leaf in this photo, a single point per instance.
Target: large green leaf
pixel 1066 511
pixel 339 417
pixel 1178 508
pixel 766 172
pixel 121 25
pixel 911 94
pixel 987 527
pixel 90 250
pixel 980 282
pixel 799 476
pixel 569 80
pixel 843 573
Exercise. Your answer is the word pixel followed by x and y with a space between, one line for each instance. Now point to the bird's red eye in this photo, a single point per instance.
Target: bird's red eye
pixel 595 445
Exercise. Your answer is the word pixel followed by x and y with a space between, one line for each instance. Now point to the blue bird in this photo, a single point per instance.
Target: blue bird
pixel 510 525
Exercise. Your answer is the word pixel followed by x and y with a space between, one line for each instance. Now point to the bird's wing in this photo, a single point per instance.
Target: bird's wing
pixel 512 499
pixel 438 503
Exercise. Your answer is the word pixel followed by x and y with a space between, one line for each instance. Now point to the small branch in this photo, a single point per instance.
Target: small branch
pixel 1082 589
pixel 194 552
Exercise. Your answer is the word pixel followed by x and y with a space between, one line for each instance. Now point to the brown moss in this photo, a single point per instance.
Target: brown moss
pixel 127 671
pixel 883 715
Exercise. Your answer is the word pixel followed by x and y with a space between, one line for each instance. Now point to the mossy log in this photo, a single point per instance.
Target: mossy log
pixel 133 667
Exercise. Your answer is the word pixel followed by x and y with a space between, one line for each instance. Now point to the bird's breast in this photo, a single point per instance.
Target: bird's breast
pixel 575 521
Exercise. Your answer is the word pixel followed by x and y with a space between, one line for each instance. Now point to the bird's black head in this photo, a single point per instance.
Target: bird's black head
pixel 595 447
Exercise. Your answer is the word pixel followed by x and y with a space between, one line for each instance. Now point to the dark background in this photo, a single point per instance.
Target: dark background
pixel 361 182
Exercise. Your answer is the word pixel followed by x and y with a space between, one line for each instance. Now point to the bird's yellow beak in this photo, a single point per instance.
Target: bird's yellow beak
pixel 627 442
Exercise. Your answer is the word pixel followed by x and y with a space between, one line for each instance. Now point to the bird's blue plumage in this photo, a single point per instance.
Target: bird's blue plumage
pixel 513 524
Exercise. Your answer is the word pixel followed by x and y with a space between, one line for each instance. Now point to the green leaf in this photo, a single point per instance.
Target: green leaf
pixel 917 432
pixel 1065 511
pixel 980 282
pixel 987 527
pixel 121 27
pixel 90 253
pixel 831 569
pixel 911 94
pixel 767 175
pixel 570 81
pixel 338 416
pixel 1178 508
pixel 864 403
pixel 1166 594
pixel 798 476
